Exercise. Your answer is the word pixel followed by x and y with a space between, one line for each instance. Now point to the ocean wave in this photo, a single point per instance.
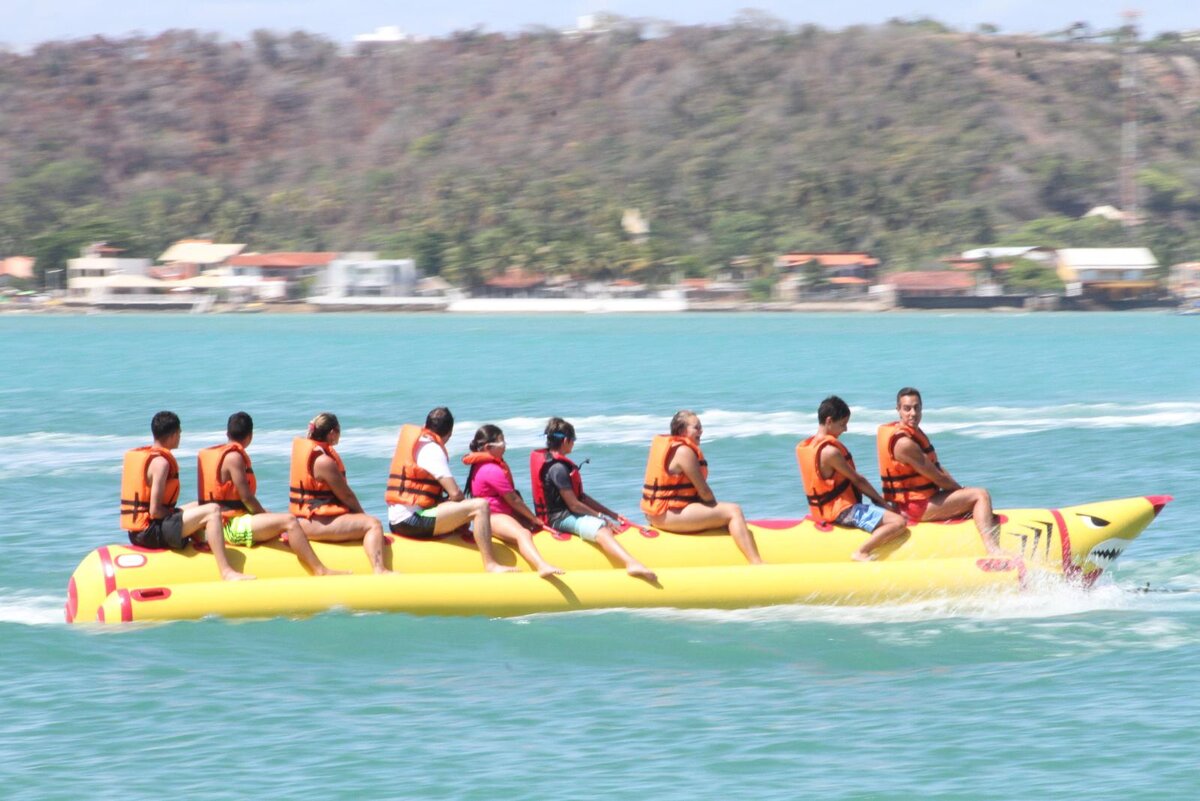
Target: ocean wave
pixel 1047 601
pixel 57 453
pixel 26 608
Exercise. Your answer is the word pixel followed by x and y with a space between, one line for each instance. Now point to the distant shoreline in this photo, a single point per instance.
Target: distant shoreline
pixel 483 307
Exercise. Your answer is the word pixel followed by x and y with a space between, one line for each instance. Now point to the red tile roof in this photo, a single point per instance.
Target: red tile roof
pixel 282 260
pixel 930 280
pixel 829 259
pixel 516 278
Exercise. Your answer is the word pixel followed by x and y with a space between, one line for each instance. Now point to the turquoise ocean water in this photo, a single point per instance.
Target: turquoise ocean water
pixel 1056 694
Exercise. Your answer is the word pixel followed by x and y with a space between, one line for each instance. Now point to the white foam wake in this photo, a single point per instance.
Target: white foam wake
pixel 26 608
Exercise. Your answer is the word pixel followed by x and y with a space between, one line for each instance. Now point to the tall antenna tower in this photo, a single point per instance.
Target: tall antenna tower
pixel 1129 125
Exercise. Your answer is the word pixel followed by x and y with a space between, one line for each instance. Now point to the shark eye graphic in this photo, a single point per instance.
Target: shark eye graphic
pixel 1094 522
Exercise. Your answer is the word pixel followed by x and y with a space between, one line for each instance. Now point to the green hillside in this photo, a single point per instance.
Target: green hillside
pixel 480 151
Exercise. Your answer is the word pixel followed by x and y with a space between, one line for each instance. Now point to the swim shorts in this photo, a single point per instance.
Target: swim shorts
pixel 861 515
pixel 161 534
pixel 585 527
pixel 418 525
pixel 239 530
pixel 914 510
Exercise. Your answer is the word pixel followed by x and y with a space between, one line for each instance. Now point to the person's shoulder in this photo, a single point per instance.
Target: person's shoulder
pixel 489 470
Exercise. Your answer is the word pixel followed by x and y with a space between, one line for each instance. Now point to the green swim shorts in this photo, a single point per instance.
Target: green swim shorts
pixel 240 531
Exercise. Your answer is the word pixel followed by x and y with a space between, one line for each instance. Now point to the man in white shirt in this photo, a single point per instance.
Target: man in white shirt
pixel 424 500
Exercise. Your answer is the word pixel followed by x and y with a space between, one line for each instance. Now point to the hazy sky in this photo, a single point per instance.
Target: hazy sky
pixel 27 22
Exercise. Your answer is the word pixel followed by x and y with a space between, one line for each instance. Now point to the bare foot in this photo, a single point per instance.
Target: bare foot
pixel 496 567
pixel 233 575
pixel 383 571
pixel 547 570
pixel 638 570
pixel 861 556
pixel 324 571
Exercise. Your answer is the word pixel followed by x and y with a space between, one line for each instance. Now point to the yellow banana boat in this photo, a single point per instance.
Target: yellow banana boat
pixel 807 563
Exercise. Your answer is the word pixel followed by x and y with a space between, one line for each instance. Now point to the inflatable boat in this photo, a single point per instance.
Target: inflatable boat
pixel 807 562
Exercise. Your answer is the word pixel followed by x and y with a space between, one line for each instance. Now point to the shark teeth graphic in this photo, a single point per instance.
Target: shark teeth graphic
pixel 1103 554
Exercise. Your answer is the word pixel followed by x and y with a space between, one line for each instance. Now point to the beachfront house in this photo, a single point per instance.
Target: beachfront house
pixel 16 268
pixel 1006 255
pixel 361 281
pixel 191 257
pixel 1106 274
pixel 275 276
pixel 101 274
pixel 843 272
pixel 514 282
pixel 929 288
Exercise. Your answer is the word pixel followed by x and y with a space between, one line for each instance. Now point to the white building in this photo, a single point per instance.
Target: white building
pixel 1000 254
pixel 1108 273
pixel 99 273
pixel 374 283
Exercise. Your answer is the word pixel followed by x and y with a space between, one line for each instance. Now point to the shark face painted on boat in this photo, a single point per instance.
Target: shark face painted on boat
pixel 1081 541
pixel 1097 534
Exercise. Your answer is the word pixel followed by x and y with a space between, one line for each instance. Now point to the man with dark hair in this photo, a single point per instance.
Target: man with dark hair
pixel 915 481
pixel 835 488
pixel 150 491
pixel 440 421
pixel 423 498
pixel 225 477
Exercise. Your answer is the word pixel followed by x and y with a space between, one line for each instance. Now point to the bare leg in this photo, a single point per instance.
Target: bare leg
pixel 269 525
pixel 208 517
pixel 506 529
pixel 891 527
pixel 607 541
pixel 348 528
pixel 453 514
pixel 697 517
pixel 975 501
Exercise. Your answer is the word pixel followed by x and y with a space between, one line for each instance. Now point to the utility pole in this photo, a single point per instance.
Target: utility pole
pixel 1129 125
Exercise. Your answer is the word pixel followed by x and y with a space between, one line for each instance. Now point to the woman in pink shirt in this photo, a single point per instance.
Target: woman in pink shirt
pixel 490 478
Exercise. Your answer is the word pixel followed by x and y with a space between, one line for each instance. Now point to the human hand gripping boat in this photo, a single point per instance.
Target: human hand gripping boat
pixel 806 563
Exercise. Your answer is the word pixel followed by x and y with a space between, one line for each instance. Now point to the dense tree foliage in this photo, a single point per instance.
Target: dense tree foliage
pixel 478 151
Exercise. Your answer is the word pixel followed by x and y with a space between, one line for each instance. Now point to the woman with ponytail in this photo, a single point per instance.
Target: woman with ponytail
pixel 323 503
pixel 491 479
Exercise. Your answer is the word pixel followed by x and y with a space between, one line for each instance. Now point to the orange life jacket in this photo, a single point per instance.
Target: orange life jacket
pixel 901 483
pixel 309 496
pixel 540 462
pixel 827 497
pixel 477 459
pixel 409 484
pixel 661 490
pixel 211 489
pixel 135 486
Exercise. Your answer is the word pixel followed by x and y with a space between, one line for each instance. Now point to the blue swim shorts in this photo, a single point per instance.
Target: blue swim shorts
pixel 866 516
pixel 586 527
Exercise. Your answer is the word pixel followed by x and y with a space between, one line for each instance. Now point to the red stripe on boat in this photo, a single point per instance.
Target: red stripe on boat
pixel 72 601
pixel 126 606
pixel 109 570
pixel 1070 570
